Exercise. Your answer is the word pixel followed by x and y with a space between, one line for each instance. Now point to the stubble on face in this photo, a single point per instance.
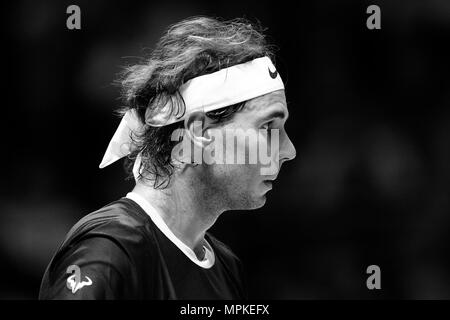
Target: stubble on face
pixel 241 186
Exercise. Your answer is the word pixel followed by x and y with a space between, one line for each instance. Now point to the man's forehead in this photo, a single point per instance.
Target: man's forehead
pixel 264 102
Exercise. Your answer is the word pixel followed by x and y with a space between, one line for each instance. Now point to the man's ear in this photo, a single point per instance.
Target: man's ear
pixel 195 125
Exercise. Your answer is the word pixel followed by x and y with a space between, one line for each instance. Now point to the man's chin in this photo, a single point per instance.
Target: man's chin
pixel 249 202
pixel 261 204
pixel 256 203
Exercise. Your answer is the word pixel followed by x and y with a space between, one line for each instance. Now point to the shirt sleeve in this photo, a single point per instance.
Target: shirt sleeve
pixel 95 268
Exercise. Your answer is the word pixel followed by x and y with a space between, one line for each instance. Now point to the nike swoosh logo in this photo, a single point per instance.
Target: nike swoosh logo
pixel 274 74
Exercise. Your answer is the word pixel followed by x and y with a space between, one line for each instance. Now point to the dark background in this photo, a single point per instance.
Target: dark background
pixel 369 118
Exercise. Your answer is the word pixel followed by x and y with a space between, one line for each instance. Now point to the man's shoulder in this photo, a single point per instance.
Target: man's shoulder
pixel 123 212
pixel 107 245
pixel 121 220
pixel 121 224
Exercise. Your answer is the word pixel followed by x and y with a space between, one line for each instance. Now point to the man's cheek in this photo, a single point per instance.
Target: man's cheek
pixel 269 151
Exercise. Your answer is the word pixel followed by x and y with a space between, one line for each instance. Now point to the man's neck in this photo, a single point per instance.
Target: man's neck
pixel 186 212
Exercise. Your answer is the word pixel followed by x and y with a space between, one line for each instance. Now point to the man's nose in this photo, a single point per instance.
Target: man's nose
pixel 287 151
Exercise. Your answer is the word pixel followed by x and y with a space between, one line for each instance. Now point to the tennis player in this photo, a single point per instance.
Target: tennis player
pixel 205 79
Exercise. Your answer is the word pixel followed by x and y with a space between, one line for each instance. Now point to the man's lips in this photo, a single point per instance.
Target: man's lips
pixel 268 183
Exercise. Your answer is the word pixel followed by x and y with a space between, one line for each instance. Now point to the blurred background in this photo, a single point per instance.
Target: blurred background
pixel 369 116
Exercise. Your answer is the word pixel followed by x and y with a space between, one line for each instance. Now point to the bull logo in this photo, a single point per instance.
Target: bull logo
pixel 74 282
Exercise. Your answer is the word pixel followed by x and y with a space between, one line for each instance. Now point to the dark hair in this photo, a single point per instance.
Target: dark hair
pixel 190 48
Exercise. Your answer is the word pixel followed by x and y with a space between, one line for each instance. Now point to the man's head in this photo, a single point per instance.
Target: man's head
pixel 190 49
pixel 255 134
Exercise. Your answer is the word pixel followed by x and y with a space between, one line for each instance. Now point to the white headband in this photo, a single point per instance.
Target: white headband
pixel 205 93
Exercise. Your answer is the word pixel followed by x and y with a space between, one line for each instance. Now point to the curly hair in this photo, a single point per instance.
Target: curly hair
pixel 191 48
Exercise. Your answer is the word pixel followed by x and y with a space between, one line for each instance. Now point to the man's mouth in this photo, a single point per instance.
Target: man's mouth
pixel 268 183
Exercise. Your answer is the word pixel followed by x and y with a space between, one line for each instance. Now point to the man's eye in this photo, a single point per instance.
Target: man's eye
pixel 266 126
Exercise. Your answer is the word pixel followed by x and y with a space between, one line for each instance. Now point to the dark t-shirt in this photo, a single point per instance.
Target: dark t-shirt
pixel 118 252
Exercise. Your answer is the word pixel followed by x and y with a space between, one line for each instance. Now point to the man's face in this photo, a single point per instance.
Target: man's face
pixel 244 185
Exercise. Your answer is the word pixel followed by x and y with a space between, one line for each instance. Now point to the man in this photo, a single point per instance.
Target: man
pixel 206 79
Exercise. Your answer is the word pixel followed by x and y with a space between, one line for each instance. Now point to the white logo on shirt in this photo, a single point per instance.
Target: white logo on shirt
pixel 74 282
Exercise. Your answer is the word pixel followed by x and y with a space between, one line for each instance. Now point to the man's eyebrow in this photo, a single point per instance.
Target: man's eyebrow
pixel 274 114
